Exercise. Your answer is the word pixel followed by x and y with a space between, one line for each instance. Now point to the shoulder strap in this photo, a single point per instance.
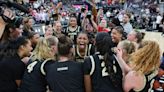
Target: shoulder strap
pixel 65 30
pixel 78 29
pixel 89 49
pixel 74 53
pixel 42 66
pixel 152 75
pixel 92 65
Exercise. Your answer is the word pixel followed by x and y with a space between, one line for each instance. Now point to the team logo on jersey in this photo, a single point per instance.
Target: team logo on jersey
pixel 62 69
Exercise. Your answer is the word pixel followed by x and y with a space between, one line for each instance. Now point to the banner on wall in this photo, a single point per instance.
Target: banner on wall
pixel 78 7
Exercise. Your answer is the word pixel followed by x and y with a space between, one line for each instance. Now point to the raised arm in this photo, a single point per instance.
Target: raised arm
pixel 94 23
pixel 125 68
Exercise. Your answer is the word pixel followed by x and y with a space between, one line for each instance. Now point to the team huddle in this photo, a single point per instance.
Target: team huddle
pixel 97 51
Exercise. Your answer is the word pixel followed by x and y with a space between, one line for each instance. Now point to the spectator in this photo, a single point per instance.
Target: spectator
pixel 48 31
pixel 100 15
pixel 81 15
pixel 42 14
pixel 158 22
pixel 126 23
pixel 88 24
pixel 36 16
pixel 114 22
pixel 162 22
pixel 57 28
pixel 121 16
pixel 34 38
pixel 28 23
pixel 102 27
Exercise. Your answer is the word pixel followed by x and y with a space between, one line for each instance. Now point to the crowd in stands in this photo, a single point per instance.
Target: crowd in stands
pixel 90 49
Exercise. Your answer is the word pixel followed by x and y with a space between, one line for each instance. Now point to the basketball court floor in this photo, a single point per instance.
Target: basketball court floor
pixel 155 36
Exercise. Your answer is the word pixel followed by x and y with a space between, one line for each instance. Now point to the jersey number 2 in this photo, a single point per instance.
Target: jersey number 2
pixel 104 70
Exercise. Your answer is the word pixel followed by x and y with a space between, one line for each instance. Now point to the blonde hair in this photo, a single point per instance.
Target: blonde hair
pixel 128 46
pixel 43 48
pixel 147 58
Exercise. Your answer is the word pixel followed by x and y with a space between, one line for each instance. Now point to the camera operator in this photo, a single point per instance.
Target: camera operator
pixel 3 23
pixel 13 47
pixel 81 15
pixel 7 15
pixel 89 24
pixel 12 30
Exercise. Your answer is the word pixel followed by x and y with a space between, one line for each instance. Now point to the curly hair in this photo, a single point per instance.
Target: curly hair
pixel 146 58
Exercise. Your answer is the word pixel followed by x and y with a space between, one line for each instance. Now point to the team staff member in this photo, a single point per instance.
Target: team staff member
pixel 34 77
pixel 3 22
pixel 11 66
pixel 65 75
pixel 102 73
pixel 11 32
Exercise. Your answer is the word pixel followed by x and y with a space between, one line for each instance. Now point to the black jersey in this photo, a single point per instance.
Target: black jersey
pixel 65 77
pixel 34 80
pixel 11 69
pixel 102 80
pixel 72 33
pixel 90 50
pixel 149 80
